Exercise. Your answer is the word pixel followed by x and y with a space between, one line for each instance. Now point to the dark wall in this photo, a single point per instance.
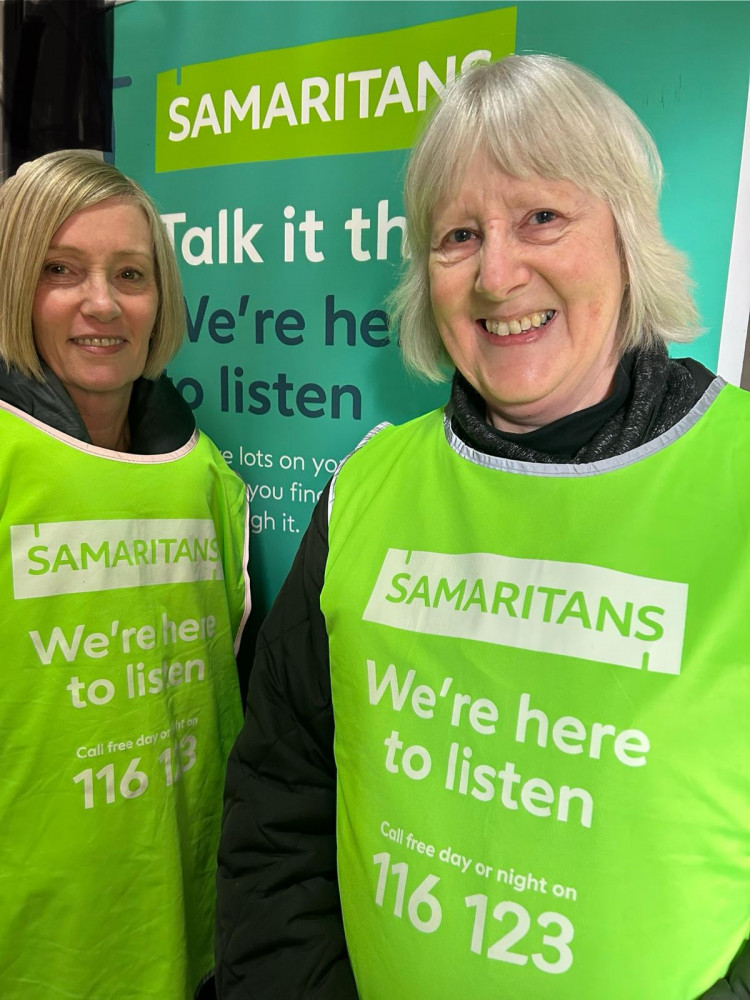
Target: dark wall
pixel 57 77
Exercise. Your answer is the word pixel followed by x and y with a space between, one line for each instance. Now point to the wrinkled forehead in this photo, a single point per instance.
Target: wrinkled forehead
pixel 508 160
pixel 522 140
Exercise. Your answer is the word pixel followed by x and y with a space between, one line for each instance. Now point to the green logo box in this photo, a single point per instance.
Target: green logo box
pixel 363 94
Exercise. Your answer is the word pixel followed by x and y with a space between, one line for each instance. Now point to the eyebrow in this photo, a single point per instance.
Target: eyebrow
pixel 118 253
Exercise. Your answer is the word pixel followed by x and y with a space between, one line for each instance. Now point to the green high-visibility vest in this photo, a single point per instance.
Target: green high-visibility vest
pixel 123 592
pixel 541 694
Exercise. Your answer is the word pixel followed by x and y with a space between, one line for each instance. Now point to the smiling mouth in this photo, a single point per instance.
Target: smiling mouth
pixel 535 321
pixel 98 341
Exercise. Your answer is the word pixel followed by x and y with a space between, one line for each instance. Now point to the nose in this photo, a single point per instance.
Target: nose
pixel 100 298
pixel 502 268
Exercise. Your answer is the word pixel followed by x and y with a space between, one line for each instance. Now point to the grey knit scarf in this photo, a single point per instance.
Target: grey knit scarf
pixel 662 391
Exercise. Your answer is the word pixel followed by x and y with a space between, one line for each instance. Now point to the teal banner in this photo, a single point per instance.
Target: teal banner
pixel 273 138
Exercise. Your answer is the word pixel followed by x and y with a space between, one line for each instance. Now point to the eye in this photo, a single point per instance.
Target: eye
pixel 131 274
pixel 55 269
pixel 543 217
pixel 460 236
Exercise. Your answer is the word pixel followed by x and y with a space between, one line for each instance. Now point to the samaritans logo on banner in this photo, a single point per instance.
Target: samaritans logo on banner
pixel 348 95
pixel 552 607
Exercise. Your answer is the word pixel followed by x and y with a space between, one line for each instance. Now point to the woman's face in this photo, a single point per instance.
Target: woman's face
pixel 526 285
pixel 96 301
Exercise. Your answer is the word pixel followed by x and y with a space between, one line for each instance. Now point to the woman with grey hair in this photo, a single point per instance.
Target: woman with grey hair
pixel 124 598
pixel 492 745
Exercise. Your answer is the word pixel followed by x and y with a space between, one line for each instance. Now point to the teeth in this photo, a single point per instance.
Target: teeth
pixel 98 341
pixel 517 326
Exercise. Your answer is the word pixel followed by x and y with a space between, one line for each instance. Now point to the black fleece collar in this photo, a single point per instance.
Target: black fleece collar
pixel 652 392
pixel 160 420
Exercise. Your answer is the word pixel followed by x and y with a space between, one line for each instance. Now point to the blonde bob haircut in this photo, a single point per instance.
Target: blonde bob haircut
pixel 542 115
pixel 33 206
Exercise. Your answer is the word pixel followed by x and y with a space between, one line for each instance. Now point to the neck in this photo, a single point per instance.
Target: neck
pixel 106 418
pixel 524 418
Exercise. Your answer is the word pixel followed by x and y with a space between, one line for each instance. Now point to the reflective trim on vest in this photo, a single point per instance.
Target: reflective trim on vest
pixel 123 592
pixel 541 690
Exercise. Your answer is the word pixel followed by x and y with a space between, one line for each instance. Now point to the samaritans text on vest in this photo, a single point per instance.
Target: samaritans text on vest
pixel 572 609
pixel 71 557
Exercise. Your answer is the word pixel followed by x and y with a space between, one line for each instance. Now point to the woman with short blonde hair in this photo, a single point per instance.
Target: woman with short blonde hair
pixel 123 571
pixel 33 205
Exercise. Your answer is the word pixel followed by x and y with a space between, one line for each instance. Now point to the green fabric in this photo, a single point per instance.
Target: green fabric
pixel 601 849
pixel 123 589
